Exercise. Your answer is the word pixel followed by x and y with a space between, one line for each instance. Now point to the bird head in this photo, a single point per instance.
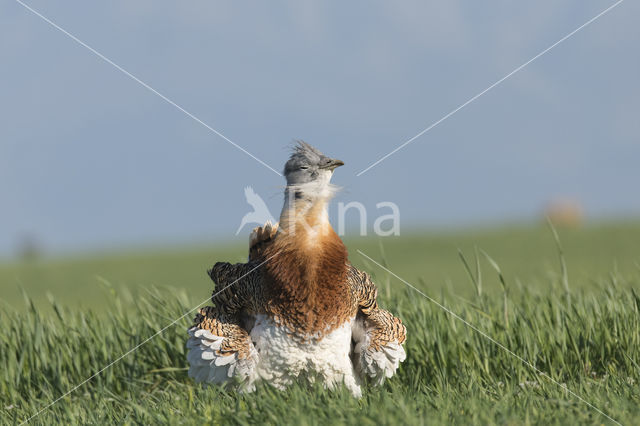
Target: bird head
pixel 308 173
pixel 307 165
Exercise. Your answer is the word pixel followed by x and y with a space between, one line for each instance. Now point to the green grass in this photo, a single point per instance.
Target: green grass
pixel 588 340
pixel 525 254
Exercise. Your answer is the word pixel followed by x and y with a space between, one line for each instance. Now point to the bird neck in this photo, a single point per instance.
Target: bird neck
pixel 307 267
pixel 305 211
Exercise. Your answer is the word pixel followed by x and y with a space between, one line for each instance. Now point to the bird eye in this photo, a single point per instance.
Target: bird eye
pixel 304 167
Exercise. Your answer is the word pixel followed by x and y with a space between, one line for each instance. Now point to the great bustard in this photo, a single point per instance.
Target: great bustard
pixel 298 305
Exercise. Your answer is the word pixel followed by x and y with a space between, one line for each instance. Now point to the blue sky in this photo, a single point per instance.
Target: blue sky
pixel 90 159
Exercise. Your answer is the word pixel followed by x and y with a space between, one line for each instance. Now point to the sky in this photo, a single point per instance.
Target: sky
pixel 91 159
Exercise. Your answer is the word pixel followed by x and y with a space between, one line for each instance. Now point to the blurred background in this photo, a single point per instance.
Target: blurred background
pixel 91 161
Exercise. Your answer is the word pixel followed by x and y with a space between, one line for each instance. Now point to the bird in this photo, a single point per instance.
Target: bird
pixel 297 309
pixel 260 213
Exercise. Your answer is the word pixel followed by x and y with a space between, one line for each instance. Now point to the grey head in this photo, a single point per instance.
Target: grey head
pixel 307 164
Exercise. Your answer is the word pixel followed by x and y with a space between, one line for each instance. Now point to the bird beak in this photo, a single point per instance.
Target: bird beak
pixel 332 164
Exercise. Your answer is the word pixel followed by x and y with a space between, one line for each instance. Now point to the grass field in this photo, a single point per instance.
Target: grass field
pixel 63 320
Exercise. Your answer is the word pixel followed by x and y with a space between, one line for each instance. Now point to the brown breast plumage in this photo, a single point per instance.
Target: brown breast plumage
pixel 306 283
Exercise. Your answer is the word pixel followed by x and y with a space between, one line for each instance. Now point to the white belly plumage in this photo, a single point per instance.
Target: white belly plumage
pixel 283 358
pixel 280 359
